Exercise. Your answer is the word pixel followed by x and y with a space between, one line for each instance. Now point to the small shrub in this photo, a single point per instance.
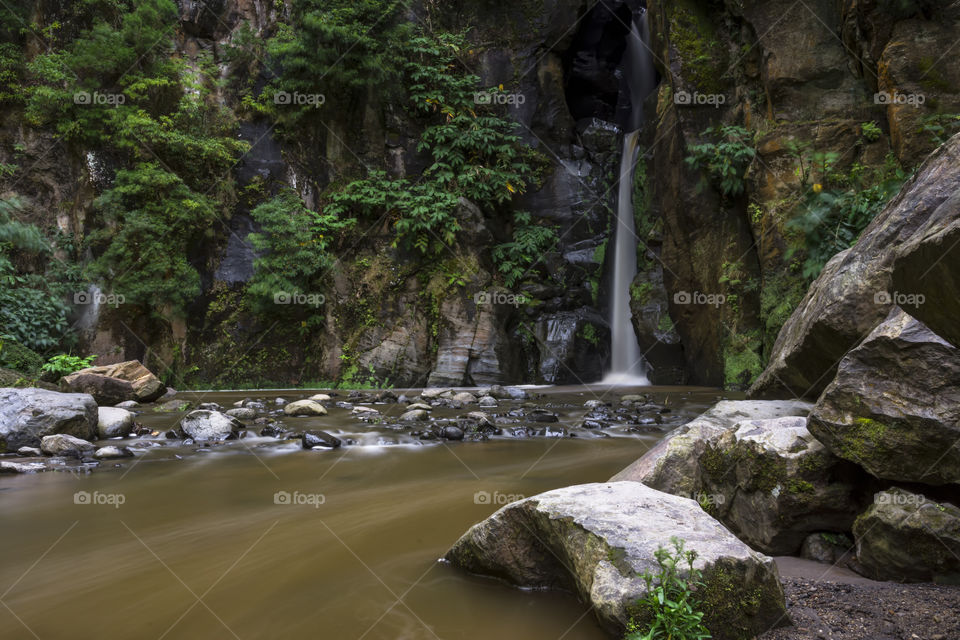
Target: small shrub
pixel 725 159
pixel 870 131
pixel 530 241
pixel 64 365
pixel 670 599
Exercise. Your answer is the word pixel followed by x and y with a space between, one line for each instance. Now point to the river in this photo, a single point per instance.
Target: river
pixel 250 540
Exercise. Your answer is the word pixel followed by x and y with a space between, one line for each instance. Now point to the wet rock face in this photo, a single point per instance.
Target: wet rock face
pixel 894 407
pixel 854 292
pixel 27 415
pixel 906 537
pixel 596 540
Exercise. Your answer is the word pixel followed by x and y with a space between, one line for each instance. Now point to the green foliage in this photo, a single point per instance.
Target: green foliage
pixel 725 159
pixel 833 213
pixel 870 131
pixel 940 126
pixel 14 355
pixel 337 48
pixel 152 220
pixel 670 602
pixel 530 241
pixel 31 311
pixel 114 85
pixel 63 365
pixel 476 154
pixel 294 247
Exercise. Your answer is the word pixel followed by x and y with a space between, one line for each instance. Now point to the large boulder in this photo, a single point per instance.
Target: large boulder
pixel 904 536
pixel 113 422
pixel 773 484
pixel 854 292
pixel 143 385
pixel 206 426
pixel 26 415
pixel 894 406
pixel 107 391
pixel 928 269
pixel 598 539
pixel 672 465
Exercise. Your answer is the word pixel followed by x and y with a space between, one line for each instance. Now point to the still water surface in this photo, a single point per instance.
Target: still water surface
pixel 201 548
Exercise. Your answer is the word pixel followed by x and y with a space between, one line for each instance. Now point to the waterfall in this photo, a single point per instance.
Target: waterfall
pixel 628 366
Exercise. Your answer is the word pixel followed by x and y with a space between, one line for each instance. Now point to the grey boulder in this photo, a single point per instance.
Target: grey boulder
pixel 597 539
pixel 26 415
pixel 208 426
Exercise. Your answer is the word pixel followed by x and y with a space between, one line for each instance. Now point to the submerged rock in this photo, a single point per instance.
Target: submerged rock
pixel 7 466
pixel 62 444
pixel 319 439
pixel 242 413
pixel 904 536
pixel 113 422
pixel 597 539
pixel 112 453
pixel 27 415
pixel 894 407
pixel 415 415
pixel 305 408
pixel 207 426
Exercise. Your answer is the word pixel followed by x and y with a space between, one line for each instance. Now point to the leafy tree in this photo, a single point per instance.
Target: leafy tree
pixel 294 247
pixel 31 313
pixel 153 220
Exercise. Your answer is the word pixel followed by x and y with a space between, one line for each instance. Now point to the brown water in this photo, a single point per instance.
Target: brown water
pixel 200 548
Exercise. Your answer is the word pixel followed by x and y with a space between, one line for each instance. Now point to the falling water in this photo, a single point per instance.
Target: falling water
pixel 628 366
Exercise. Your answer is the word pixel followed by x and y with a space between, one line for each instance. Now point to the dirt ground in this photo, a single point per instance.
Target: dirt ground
pixel 844 606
